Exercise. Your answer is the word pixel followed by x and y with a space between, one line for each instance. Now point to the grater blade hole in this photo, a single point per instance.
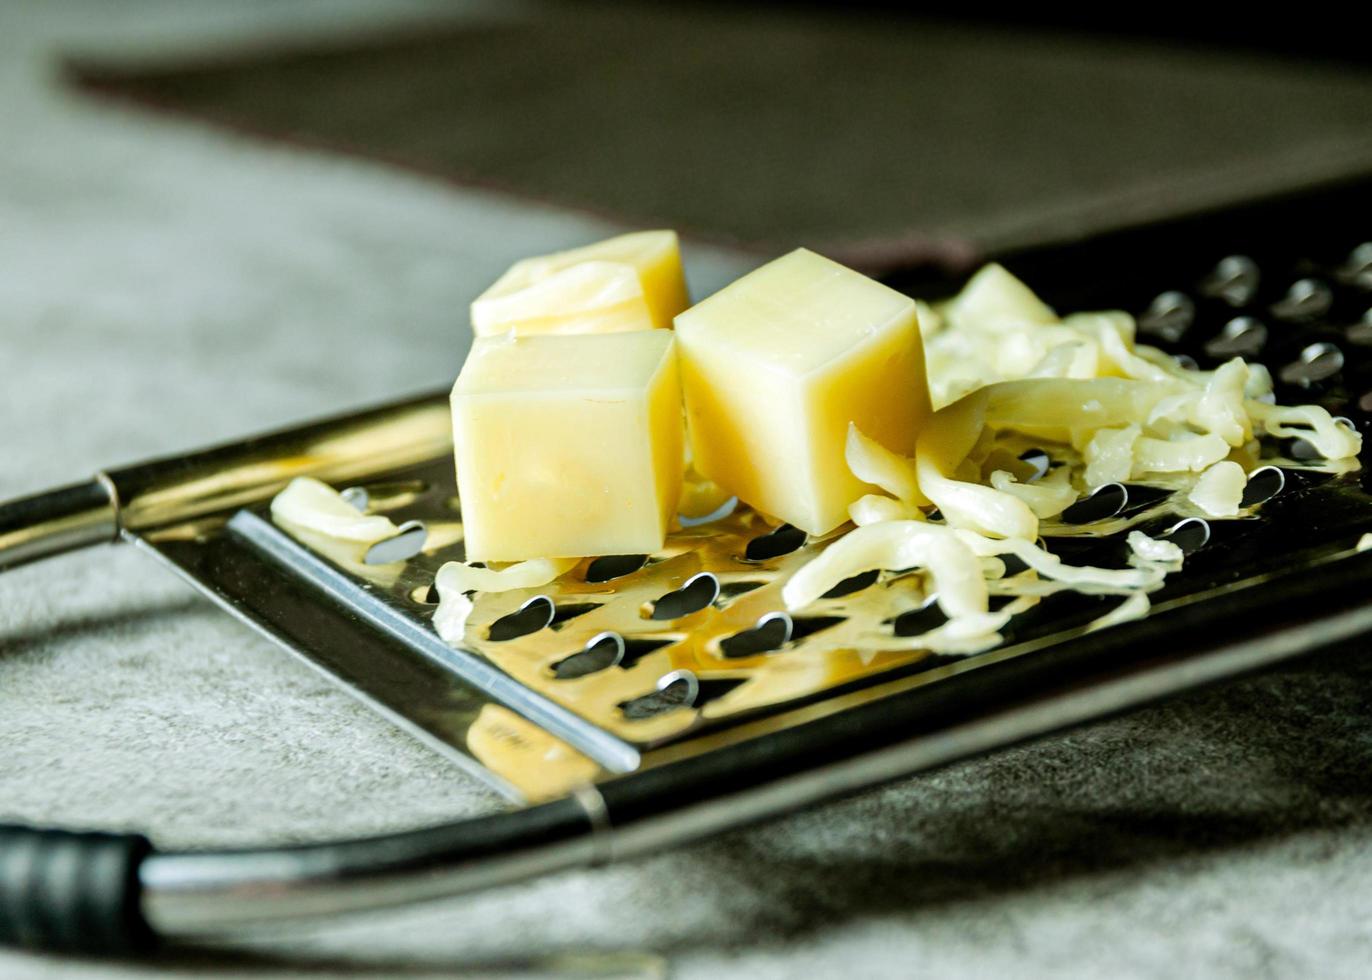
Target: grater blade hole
pixel 1106 501
pixel 1014 565
pixel 781 541
pixel 1307 299
pixel 1357 270
pixel 803 626
pixel 534 615
pixel 638 647
pixel 356 497
pixel 603 651
pixel 1168 316
pixel 1039 460
pixel 1360 333
pixel 1243 336
pixel 679 689
pixel 1234 279
pixel 699 591
pixel 1264 483
pixel 1141 496
pixel 732 590
pixel 914 622
pixel 1302 450
pixel 384 496
pixel 407 542
pixel 718 514
pixel 854 583
pixel 614 566
pixel 567 611
pixel 771 632
pixel 1317 362
pixel 1190 535
pixel 425 595
pixel 1102 552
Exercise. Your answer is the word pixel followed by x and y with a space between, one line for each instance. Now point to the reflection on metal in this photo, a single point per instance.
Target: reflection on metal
pixel 60 520
pixel 1357 271
pixel 531 617
pixel 356 497
pixel 772 632
pixel 1243 336
pixel 695 594
pixel 1106 501
pixel 1168 317
pixel 1190 535
pixel 1039 460
pixel 408 541
pixel 540 767
pixel 1264 483
pixel 1234 279
pixel 340 451
pixel 1305 300
pixel 1317 362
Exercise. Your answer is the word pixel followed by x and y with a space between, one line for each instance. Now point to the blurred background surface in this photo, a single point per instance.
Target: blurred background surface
pixel 882 132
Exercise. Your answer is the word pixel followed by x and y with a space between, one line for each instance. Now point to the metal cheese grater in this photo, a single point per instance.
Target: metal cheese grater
pixel 641 700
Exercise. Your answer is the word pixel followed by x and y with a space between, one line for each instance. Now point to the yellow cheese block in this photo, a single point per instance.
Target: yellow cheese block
pixel 568 446
pixel 631 282
pixel 776 365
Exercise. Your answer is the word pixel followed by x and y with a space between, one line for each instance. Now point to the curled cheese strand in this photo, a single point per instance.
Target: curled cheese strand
pixel 1051 566
pixel 700 496
pixel 1148 549
pixel 1219 490
pixel 994 300
pixel 1191 453
pixel 1220 409
pixel 1055 407
pixel 1109 456
pixel 873 508
pixel 1048 497
pixel 1311 423
pixel 1135 606
pixel 956 571
pixel 311 505
pixel 1113 333
pixel 450 618
pixel 456 576
pixel 873 463
pixel 948 437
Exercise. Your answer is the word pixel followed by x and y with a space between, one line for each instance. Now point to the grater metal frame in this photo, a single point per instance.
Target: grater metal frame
pixel 203 515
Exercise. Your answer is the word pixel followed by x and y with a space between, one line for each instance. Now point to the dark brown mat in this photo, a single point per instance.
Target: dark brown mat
pixel 875 136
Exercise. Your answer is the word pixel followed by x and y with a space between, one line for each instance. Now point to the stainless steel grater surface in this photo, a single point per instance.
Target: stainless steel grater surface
pixel 642 701
pixel 627 662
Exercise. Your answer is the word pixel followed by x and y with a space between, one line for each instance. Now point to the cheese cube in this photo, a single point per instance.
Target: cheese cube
pixel 632 282
pixel 568 446
pixel 777 364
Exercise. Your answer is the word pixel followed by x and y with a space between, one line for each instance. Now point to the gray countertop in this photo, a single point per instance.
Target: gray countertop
pixel 164 285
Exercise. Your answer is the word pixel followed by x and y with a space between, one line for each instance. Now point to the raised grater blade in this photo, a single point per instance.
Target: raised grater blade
pixel 628 663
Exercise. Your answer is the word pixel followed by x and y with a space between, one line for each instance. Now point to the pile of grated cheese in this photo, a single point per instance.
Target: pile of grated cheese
pixel 1008 374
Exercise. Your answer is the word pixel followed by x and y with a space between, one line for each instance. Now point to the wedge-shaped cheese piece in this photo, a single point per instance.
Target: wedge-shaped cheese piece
pixel 777 365
pixel 568 446
pixel 632 282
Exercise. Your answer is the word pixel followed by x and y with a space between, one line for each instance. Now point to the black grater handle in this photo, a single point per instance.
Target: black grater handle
pixel 72 892
pixel 57 521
